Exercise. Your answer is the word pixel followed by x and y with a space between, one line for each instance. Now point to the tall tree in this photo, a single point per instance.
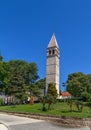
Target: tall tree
pixel 21 74
pixel 16 81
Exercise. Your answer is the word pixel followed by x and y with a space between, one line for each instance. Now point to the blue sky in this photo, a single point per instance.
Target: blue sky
pixel 26 28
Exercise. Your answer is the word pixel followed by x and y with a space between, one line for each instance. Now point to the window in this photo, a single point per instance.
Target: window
pixel 53 52
pixel 49 52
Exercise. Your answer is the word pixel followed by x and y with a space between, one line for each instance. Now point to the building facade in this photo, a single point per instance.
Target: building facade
pixel 52 66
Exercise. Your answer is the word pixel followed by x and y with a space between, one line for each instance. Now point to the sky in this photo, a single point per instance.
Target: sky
pixel 26 27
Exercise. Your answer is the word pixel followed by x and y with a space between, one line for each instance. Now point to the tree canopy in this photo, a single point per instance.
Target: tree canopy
pixel 15 75
pixel 79 84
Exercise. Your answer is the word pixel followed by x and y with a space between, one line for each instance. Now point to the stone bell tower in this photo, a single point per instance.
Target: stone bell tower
pixel 52 66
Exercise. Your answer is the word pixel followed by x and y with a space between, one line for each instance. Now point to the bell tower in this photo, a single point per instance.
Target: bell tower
pixel 52 66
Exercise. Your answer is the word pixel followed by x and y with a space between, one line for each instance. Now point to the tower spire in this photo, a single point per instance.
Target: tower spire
pixel 53 42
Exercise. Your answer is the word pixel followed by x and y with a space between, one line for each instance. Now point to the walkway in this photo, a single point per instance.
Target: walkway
pixel 22 123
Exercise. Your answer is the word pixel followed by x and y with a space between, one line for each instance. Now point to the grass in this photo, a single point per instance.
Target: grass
pixel 60 109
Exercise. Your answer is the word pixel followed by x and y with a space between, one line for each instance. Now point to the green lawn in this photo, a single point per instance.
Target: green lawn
pixel 60 109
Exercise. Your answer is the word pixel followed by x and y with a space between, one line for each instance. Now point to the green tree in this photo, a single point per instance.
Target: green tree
pixel 16 76
pixel 76 83
pixel 16 80
pixel 21 75
pixel 52 90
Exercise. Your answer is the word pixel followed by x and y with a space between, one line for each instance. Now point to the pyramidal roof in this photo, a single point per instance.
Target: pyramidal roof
pixel 53 42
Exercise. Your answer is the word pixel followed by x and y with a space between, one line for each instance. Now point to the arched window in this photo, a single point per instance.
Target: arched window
pixel 49 52
pixel 53 52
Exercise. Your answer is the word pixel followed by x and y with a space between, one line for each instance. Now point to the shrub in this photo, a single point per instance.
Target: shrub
pixel 1 102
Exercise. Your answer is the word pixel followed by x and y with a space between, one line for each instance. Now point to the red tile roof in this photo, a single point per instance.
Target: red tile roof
pixel 65 94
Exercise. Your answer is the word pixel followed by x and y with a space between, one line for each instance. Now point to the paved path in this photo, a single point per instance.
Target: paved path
pixel 3 127
pixel 22 123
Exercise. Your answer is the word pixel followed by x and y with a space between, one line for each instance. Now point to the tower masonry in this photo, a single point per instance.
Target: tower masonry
pixel 52 66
